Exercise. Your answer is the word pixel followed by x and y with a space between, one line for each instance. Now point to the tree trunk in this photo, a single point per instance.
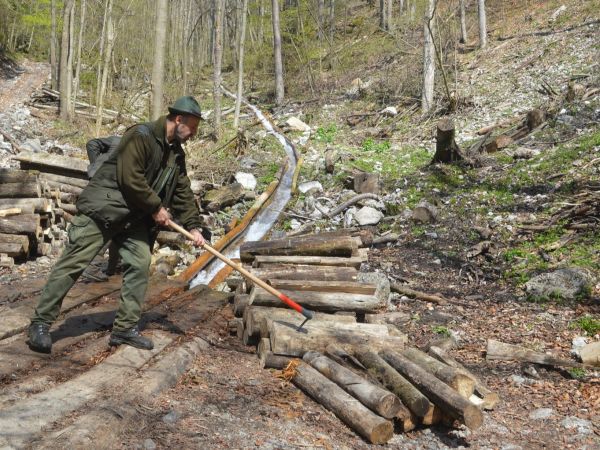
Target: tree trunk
pixel 158 66
pixel 359 418
pixel 428 58
pixel 21 224
pixel 106 64
pixel 350 287
pixel 269 360
pixel 217 61
pixel 79 45
pixel 331 21
pixel 446 148
pixel 53 62
pixel 320 19
pixel 266 261
pixel 61 165
pixel 377 399
pixel 39 205
pixel 279 86
pixel 65 58
pixel 463 22
pixel 388 14
pixel 240 83
pixel 482 24
pixel 305 272
pixel 416 402
pixel 497 350
pixel 306 246
pixel 450 401
pixel 22 189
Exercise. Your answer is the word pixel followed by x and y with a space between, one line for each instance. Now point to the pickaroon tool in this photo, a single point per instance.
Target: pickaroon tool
pixel 281 296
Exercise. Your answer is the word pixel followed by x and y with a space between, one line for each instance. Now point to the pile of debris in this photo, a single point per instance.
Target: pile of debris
pixel 350 357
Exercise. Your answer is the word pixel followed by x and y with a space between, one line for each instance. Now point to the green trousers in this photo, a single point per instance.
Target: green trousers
pixel 86 239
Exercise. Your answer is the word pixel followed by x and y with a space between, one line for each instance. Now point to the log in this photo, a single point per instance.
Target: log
pixel 263 347
pixel 446 148
pixel 416 402
pixel 254 316
pixel 61 187
pixel 349 287
pixel 330 159
pixel 57 164
pixel 400 289
pixel 20 190
pixel 233 324
pixel 170 238
pixel 321 301
pixel 61 179
pixel 393 318
pixel 262 326
pixel 442 395
pixel 287 340
pixel 6 261
pixel 365 235
pixel 240 303
pixel 71 209
pixel 39 205
pixel 358 417
pixel 304 245
pixel 10 212
pixel 21 224
pixel 461 383
pixel 269 360
pixel 20 239
pixel 377 399
pixel 490 398
pixel 264 261
pixel 240 330
pixel 14 250
pixel 247 339
pixel 305 272
pixel 497 350
pixel 8 175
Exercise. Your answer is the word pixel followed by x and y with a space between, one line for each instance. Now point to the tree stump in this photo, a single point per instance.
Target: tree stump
pixel 446 148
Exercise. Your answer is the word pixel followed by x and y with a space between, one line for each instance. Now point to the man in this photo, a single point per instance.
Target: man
pixel 124 201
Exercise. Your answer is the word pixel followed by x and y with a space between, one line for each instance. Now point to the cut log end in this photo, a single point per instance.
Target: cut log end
pixel 381 433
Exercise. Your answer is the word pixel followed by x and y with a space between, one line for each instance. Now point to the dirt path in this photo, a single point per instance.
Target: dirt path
pixel 18 90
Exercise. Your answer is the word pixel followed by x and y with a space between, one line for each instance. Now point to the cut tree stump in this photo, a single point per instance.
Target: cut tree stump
pixel 446 148
pixel 497 350
pixel 490 398
pixel 377 399
pixel 446 398
pixel 373 428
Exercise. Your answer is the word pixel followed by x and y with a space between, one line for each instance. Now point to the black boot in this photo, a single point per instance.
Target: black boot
pixel 39 337
pixel 130 337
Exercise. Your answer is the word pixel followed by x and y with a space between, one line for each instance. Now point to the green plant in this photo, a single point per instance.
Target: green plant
pixel 441 330
pixel 326 134
pixel 586 323
pixel 370 145
pixel 577 373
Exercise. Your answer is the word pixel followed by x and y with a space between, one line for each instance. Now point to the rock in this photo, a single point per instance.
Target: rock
pixel 577 344
pixel 424 212
pixel 33 145
pixel 525 153
pixel 295 224
pixel 295 124
pixel 222 197
pixel 583 426
pixel 590 354
pixel 446 343
pixel 373 204
pixel 357 88
pixel 541 413
pixel 389 111
pixel 557 13
pixel 248 163
pixel 310 187
pixel 567 283
pixel 368 216
pixel 349 217
pixel 247 180
pixel 531 371
pixel 367 183
pixel 149 444
pixel 171 417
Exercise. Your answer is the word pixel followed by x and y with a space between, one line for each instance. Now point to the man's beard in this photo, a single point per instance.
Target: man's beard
pixel 178 137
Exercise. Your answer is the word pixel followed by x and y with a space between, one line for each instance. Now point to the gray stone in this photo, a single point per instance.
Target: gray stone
pixel 149 444
pixel 368 216
pixel 510 446
pixel 171 417
pixel 424 212
pixel 310 187
pixel 295 124
pixel 247 180
pixel 541 413
pixel 577 344
pixel 389 111
pixel 248 163
pixel 567 283
pixel 33 145
pixel 525 153
pixel 583 426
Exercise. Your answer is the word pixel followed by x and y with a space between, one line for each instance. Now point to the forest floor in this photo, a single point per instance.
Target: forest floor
pixel 224 400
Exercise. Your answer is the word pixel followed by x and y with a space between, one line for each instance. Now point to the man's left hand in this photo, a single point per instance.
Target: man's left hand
pixel 198 239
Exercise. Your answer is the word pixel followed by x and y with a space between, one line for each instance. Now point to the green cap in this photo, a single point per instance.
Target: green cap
pixel 186 106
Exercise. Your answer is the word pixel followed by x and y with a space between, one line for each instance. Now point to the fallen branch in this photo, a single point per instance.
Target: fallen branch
pixel 396 287
pixel 497 350
pixel 351 202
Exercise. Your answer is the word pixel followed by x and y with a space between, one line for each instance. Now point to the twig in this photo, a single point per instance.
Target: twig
pixel 351 202
pixel 396 287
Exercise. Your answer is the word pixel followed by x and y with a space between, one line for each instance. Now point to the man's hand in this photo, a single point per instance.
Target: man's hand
pixel 198 239
pixel 162 217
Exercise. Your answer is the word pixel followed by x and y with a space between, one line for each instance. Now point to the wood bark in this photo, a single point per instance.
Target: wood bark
pixel 270 360
pixel 497 350
pixel 263 347
pixel 21 190
pixel 397 287
pixel 39 205
pixel 358 417
pixel 278 60
pixel 482 23
pixel 21 224
pixel 158 66
pixel 78 56
pixel 306 246
pixel 65 68
pixel 217 61
pixel 457 380
pixel 428 58
pixel 240 83
pixel 321 301
pixel 78 182
pixel 53 62
pixel 416 402
pixel 377 399
pixel 105 65
pixel 305 272
pixel 350 287
pixel 449 401
pixel 286 340
pixel 463 22
pixel 265 261
pixel 8 175
pixel 446 148
pixel 60 165
pixel 490 398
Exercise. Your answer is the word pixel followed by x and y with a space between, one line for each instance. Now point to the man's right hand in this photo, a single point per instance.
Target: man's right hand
pixel 162 217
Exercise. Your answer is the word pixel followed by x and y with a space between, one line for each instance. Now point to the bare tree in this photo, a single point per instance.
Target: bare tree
pixel 428 58
pixel 53 64
pixel 217 61
pixel 65 60
pixel 482 24
pixel 463 22
pixel 158 67
pixel 238 100
pixel 108 49
pixel 279 88
pixel 331 21
pixel 320 21
pixel 78 57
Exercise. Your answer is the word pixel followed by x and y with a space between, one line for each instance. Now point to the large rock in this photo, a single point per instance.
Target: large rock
pixel 590 354
pixel 295 124
pixel 247 180
pixel 222 197
pixel 567 283
pixel 310 187
pixel 368 216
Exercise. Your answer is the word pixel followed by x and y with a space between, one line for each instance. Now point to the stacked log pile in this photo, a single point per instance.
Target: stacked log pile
pixel 36 202
pixel 365 373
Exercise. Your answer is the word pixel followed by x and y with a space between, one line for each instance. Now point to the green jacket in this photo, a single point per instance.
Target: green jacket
pixel 143 173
